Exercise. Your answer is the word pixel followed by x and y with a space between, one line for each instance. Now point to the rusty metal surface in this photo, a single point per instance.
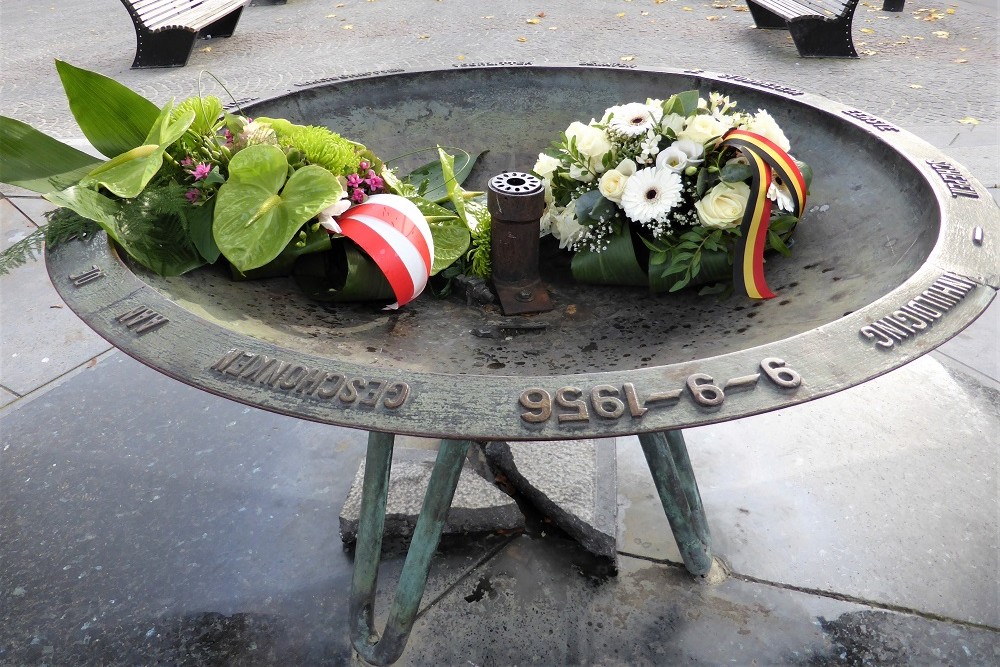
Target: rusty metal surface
pixel 887 265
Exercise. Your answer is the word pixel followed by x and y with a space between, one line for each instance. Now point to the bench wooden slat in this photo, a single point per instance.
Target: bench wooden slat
pixel 166 29
pixel 820 28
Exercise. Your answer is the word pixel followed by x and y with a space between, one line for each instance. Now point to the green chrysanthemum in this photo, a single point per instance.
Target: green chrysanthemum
pixel 319 145
pixel 207 111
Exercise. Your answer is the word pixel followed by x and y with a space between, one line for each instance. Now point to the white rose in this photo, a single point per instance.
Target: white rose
pixel 702 128
pixel 722 207
pixel 673 122
pixel 626 167
pixel 763 124
pixel 546 165
pixel 590 141
pixel 612 185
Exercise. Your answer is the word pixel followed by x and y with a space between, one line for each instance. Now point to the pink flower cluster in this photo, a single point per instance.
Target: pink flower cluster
pixel 364 183
pixel 198 172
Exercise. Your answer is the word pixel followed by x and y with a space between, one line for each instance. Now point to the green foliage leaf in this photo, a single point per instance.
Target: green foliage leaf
pixel 113 118
pixel 199 221
pixel 685 103
pixel 736 172
pixel 617 265
pixel 775 242
pixel 343 274
pixel 450 243
pixel 807 173
pixel 126 175
pixel 160 243
pixel 253 223
pixel 437 189
pixel 36 161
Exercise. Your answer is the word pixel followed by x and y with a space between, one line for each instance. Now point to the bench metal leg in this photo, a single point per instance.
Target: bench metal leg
pixel 166 48
pixel 670 466
pixel 819 38
pixel 224 27
pixel 892 5
pixel 426 536
pixel 764 18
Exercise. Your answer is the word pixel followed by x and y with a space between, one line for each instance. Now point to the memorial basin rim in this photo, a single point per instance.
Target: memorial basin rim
pixel 902 257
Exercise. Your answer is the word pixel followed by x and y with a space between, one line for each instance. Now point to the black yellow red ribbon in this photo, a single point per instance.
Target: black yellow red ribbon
pixel 764 158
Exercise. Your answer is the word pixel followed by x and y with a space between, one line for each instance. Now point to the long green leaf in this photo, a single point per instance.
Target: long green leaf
pixel 343 274
pixel 437 182
pixel 113 118
pixel 616 265
pixel 36 161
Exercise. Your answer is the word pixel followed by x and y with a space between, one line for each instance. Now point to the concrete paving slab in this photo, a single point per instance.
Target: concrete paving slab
pixel 978 346
pixel 40 337
pixel 34 208
pixel 533 604
pixel 6 397
pixel 14 225
pixel 878 493
pixel 477 507
pixel 572 482
pixel 169 526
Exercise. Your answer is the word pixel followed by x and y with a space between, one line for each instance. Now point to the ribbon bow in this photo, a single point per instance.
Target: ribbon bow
pixel 764 158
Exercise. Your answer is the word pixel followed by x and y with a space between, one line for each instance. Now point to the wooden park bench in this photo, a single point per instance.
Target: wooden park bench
pixel 819 28
pixel 165 30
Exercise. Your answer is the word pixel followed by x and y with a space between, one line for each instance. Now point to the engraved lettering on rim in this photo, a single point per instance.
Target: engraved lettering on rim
pixel 919 312
pixel 142 320
pixel 608 402
pixel 318 383
pixel 957 184
pixel 868 119
pixel 763 84
pixel 342 77
pixel 501 63
pixel 90 275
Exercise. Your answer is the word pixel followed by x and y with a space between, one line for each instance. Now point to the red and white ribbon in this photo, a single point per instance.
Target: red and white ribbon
pixel 394 233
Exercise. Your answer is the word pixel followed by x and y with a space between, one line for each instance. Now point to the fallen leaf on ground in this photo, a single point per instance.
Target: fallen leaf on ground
pixel 961 61
pixel 943 34
pixel 331 16
pixel 687 9
pixel 620 14
pixel 712 18
pixel 56 305
pixel 553 27
pixel 969 120
pixel 522 39
pixel 867 31
pixel 627 59
pixel 643 13
pixel 423 36
pixel 92 363
pixel 207 49
pixel 950 10
pixel 916 86
pixel 460 57
pixel 534 21
pixel 347 27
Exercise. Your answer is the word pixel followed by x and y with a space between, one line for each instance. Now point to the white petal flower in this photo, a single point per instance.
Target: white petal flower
pixel 765 125
pixel 672 122
pixel 650 194
pixel 327 217
pixel 546 165
pixel 672 158
pixel 566 227
pixel 779 193
pixel 626 167
pixel 694 151
pixel 577 173
pixel 630 120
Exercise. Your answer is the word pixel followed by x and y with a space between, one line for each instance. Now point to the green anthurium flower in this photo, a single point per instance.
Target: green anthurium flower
pixel 127 174
pixel 253 221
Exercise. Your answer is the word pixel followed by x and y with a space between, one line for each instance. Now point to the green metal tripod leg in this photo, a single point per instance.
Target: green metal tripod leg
pixel 426 536
pixel 670 466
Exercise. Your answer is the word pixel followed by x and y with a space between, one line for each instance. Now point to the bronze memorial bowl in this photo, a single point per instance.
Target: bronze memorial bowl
pixel 897 252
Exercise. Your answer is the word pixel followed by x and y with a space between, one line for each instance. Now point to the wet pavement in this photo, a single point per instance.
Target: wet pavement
pixel 146 522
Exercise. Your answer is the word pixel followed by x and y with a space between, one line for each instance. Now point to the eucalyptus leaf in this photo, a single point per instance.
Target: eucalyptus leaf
pixel 253 222
pixel 685 103
pixel 37 162
pixel 114 118
pixel 736 172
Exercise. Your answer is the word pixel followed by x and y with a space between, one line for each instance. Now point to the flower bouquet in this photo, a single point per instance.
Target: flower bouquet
pixel 673 193
pixel 192 184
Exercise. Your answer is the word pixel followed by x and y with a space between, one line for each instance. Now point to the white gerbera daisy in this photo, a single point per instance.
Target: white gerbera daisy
pixel 779 193
pixel 650 194
pixel 630 120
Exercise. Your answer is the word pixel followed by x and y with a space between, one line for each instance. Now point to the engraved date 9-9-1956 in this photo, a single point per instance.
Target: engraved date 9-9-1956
pixel 575 404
